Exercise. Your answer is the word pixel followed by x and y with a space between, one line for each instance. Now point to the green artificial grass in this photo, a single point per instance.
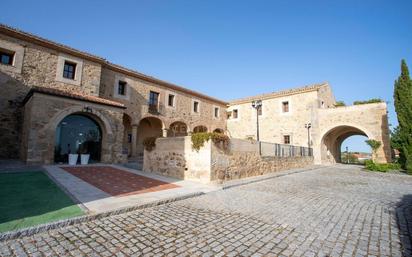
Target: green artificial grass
pixel 31 198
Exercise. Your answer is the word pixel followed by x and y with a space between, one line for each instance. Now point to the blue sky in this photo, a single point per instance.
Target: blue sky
pixel 232 49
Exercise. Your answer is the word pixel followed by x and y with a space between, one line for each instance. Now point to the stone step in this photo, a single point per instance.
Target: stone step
pixel 134 165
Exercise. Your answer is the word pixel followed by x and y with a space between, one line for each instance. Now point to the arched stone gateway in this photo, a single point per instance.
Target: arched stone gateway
pixel 332 142
pixel 148 127
pixel 334 125
pixel 78 133
pixel 108 137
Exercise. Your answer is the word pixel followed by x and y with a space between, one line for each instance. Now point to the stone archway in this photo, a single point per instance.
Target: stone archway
pixel 177 129
pixel 200 129
pixel 148 127
pixel 78 133
pixel 332 140
pixel 219 130
pixel 107 134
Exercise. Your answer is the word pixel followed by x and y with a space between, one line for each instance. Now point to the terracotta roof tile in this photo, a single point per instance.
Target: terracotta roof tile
pixel 72 95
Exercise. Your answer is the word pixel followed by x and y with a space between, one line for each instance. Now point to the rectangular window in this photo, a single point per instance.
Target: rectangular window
pixel 171 100
pixel 195 106
pixel 285 106
pixel 153 98
pixel 6 57
pixel 216 112
pixel 235 114
pixel 69 70
pixel 121 88
pixel 286 139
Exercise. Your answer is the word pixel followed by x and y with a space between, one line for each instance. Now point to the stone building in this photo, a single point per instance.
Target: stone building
pixel 308 116
pixel 57 100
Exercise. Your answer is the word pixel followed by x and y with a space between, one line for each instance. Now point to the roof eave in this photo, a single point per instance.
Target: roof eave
pixel 13 32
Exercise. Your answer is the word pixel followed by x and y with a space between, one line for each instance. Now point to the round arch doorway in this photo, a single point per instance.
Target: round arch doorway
pixel 77 133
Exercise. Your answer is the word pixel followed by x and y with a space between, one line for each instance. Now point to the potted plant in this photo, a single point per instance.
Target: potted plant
pixel 72 157
pixel 84 155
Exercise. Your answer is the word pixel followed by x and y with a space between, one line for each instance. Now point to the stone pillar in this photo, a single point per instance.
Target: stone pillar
pixel 134 140
pixel 164 132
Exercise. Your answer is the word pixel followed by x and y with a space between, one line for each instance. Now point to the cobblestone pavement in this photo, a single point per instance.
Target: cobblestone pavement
pixel 333 211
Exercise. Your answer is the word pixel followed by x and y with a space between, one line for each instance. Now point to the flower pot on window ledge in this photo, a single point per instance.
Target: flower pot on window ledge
pixel 73 159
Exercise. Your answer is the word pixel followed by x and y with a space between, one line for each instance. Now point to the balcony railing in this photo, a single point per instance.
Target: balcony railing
pixel 155 109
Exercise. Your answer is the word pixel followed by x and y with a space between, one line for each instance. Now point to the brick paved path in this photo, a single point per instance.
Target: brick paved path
pixel 326 212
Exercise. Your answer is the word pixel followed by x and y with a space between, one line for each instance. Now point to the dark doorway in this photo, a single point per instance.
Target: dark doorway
pixel 77 133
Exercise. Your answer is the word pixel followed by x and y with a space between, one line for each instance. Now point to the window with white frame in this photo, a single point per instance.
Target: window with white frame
pixel 121 87
pixel 235 113
pixel 285 106
pixel 6 57
pixel 195 106
pixel 216 112
pixel 171 100
pixel 286 139
pixel 69 69
pixel 11 56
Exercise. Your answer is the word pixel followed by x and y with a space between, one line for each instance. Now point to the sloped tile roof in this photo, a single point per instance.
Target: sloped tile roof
pixel 14 32
pixel 287 92
pixel 72 95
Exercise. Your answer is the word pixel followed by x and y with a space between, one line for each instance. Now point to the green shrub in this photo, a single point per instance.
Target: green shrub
pixel 149 143
pixel 381 167
pixel 340 103
pixel 199 139
pixel 370 101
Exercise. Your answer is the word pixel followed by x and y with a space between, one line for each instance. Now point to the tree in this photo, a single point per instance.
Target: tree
pixel 340 103
pixel 403 106
pixel 396 143
pixel 374 144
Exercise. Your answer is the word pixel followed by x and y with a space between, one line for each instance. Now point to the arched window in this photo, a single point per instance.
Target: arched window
pixel 177 129
pixel 200 129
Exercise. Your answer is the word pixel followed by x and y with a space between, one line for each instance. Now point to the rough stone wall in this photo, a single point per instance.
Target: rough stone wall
pixel 175 157
pixel 138 97
pixel 42 115
pixel 244 162
pixel 38 68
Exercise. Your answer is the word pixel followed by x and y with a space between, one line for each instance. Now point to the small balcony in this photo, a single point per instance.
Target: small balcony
pixel 155 109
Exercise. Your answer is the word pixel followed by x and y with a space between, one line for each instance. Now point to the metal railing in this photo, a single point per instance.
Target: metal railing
pixel 155 109
pixel 281 150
